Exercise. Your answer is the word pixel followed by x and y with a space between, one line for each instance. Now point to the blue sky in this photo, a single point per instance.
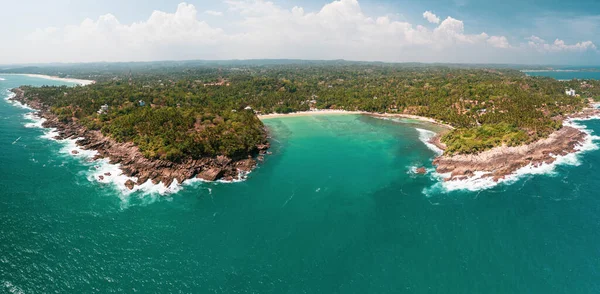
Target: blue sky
pixel 549 32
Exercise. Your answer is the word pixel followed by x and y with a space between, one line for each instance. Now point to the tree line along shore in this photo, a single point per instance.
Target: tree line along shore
pixel 182 112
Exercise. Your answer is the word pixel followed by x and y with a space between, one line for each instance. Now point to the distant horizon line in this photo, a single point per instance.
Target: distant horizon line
pixel 282 61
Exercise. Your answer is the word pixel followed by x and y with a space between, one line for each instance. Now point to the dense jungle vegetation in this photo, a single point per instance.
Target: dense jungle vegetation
pixel 200 109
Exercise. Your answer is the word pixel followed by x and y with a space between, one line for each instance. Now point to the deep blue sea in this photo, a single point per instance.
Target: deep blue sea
pixel 335 209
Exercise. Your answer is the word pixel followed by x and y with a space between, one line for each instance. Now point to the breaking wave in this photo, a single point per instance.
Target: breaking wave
pixel 10 96
pixel 425 136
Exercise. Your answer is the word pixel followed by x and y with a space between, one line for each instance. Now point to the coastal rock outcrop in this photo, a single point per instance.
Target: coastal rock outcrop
pixel 500 162
pixel 211 174
pixel 132 161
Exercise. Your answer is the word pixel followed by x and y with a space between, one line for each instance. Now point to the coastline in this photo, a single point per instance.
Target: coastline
pixel 308 113
pixel 502 163
pixel 130 162
pixel 340 111
pixel 493 166
pixel 80 82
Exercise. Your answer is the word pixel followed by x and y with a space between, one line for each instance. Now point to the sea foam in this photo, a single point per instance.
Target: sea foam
pixel 479 181
pixel 18 104
pixel 425 136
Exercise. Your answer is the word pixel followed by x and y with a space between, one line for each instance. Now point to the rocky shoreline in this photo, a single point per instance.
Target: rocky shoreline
pixel 496 163
pixel 131 160
pixel 500 162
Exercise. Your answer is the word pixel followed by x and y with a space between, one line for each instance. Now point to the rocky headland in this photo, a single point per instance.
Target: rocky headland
pixel 132 161
pixel 502 161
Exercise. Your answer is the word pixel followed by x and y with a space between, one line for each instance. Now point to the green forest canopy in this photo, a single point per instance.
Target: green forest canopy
pixel 199 110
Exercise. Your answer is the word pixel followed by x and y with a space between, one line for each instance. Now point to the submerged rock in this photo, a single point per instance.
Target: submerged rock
pixel 130 184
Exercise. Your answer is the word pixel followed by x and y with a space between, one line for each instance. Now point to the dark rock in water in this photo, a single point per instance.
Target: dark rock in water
pixel 210 174
pixel 129 184
pixel 74 152
pixel 107 174
pixel 421 170
pixel 101 178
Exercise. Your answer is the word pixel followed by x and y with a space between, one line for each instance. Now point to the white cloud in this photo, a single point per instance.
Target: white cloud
pixel 430 17
pixel 262 29
pixel 559 45
pixel 214 13
pixel 498 42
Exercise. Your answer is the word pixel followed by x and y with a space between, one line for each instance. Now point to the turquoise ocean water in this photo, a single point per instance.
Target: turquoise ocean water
pixel 573 73
pixel 334 209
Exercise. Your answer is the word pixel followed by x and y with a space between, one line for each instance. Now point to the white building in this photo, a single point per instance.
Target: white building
pixel 570 92
pixel 103 109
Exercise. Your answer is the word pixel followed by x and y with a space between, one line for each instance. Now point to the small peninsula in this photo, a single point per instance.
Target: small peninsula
pixel 172 122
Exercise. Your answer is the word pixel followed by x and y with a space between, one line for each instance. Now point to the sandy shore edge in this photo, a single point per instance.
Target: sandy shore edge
pixel 55 78
pixel 308 113
pixel 336 111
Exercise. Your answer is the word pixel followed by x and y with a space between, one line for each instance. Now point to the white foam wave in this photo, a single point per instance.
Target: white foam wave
pixel 413 169
pixel 70 147
pixel 102 171
pixel 2 79
pixel 36 121
pixel 425 136
pixel 107 173
pixel 479 181
pixel 12 95
pixel 242 176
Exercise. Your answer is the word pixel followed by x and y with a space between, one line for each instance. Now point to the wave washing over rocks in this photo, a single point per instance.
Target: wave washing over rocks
pixel 101 170
pixel 123 165
pixel 508 164
pixel 427 136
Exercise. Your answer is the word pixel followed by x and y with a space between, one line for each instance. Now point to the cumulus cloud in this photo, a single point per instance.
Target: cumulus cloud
pixel 559 45
pixel 499 42
pixel 430 17
pixel 340 29
pixel 214 13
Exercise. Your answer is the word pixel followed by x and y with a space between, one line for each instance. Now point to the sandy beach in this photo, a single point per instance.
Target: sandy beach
pixel 309 113
pixel 415 117
pixel 54 78
pixel 339 111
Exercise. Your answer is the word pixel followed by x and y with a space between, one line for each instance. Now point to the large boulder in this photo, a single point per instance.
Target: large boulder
pixel 246 164
pixel 210 174
pixel 223 160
